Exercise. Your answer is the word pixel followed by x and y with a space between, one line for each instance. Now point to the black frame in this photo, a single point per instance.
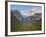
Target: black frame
pixel 6 18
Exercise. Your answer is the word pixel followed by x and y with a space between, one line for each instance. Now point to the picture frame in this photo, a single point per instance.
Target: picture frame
pixel 38 7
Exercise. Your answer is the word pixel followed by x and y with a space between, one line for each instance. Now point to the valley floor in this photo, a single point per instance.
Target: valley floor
pixel 26 27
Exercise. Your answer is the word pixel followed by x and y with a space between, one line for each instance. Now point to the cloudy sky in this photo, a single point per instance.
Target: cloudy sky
pixel 27 10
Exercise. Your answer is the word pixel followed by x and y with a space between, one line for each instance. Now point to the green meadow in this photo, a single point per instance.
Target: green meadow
pixel 17 27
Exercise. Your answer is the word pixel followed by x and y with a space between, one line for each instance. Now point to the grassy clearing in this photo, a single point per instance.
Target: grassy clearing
pixel 26 27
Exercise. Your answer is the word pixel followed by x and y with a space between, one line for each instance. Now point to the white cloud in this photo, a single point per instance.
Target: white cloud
pixel 31 12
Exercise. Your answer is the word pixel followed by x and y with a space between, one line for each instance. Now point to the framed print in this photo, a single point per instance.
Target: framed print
pixel 24 18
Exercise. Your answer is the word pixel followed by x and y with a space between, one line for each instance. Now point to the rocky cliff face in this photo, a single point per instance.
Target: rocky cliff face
pixel 17 17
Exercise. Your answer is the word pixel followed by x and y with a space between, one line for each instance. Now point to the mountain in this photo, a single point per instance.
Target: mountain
pixel 16 15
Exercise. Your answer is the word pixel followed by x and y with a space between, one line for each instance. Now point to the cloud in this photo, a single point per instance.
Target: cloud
pixel 31 12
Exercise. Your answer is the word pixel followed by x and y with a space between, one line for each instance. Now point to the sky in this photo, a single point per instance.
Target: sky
pixel 27 9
